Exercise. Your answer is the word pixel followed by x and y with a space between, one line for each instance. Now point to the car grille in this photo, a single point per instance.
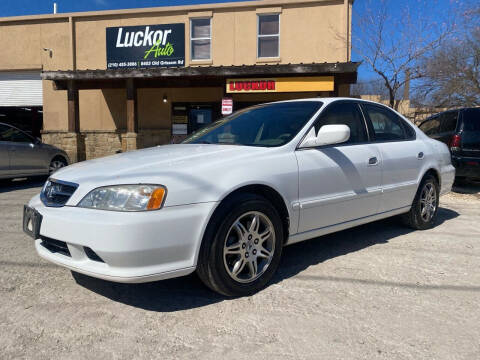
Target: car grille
pixel 56 193
pixel 55 246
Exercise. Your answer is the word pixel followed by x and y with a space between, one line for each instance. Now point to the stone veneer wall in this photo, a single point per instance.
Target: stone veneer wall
pixel 100 143
pixel 95 144
pixel 65 141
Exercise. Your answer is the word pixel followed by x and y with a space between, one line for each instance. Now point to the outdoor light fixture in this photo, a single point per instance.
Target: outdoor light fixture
pixel 165 99
pixel 50 51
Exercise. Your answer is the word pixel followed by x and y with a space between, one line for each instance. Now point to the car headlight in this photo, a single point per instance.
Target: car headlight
pixel 125 198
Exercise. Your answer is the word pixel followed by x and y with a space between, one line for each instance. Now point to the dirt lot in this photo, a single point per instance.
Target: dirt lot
pixel 378 291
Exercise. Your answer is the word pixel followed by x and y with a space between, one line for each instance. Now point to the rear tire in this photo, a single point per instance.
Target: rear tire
pixel 239 256
pixel 423 214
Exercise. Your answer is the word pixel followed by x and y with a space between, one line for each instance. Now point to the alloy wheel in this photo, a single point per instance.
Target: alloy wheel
pixel 428 202
pixel 56 165
pixel 249 247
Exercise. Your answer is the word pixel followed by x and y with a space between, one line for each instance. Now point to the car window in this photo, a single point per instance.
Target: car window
pixel 411 134
pixel 344 113
pixel 5 133
pixel 448 121
pixel 19 136
pixel 266 125
pixel 8 133
pixel 431 126
pixel 471 120
pixel 387 126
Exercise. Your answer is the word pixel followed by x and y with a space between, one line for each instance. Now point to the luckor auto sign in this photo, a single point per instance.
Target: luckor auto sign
pixel 146 46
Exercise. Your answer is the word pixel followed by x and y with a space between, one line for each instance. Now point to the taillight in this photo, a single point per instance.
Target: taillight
pixel 454 143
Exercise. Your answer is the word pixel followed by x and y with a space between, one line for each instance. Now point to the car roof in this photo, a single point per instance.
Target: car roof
pixel 328 100
pixel 447 111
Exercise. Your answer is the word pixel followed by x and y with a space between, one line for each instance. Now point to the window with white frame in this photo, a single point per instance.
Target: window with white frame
pixel 201 38
pixel 268 36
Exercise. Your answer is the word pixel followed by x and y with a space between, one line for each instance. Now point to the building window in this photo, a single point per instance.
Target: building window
pixel 268 36
pixel 201 39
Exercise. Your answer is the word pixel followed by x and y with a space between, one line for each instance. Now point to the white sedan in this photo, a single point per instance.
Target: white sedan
pixel 227 200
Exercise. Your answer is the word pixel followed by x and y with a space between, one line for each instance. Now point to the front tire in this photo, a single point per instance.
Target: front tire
pixel 56 164
pixel 423 214
pixel 242 246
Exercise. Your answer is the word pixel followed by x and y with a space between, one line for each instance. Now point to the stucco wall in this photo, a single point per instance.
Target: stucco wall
pixel 308 33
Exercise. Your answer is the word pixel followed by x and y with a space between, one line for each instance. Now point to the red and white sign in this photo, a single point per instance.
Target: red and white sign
pixel 227 106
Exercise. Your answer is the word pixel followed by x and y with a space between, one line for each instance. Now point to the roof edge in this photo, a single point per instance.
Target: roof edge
pixel 196 71
pixel 161 9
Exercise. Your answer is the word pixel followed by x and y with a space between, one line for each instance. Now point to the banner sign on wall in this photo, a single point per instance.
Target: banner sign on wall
pixel 287 84
pixel 146 46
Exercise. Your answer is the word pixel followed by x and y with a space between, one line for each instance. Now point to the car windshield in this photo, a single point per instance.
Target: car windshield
pixel 266 125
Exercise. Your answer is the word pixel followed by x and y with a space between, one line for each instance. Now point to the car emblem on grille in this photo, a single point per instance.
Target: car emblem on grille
pixel 56 193
pixel 50 190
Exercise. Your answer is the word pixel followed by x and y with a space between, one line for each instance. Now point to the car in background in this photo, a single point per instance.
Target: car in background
pixel 460 130
pixel 229 198
pixel 22 155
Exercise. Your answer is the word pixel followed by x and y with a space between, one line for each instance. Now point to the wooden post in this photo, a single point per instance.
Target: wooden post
pixel 73 108
pixel 132 118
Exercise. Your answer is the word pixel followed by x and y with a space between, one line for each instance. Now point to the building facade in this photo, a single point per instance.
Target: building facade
pixel 120 80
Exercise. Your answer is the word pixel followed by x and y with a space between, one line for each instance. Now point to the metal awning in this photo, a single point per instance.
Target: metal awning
pixel 189 76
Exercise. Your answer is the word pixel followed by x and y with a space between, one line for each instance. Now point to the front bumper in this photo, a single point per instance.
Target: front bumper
pixel 134 247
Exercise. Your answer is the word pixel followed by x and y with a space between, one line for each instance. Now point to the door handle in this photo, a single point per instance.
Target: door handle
pixel 373 161
pixel 420 156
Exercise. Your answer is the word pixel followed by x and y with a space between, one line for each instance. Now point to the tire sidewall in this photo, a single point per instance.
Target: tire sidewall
pixel 422 224
pixel 226 284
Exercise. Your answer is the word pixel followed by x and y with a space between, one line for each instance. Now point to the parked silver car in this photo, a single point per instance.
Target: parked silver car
pixel 22 155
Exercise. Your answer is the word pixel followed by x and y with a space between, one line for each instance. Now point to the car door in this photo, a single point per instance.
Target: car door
pixel 402 156
pixel 4 155
pixel 26 158
pixel 342 182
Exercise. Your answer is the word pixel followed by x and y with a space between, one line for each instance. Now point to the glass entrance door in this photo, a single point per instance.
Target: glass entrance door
pixel 199 116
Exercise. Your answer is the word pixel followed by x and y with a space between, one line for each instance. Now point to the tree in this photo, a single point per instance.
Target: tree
pixel 371 87
pixel 392 40
pixel 452 74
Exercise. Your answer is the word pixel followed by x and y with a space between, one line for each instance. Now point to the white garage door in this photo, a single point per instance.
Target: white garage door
pixel 21 89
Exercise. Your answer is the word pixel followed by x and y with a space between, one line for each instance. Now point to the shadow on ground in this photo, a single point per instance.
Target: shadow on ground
pixel 188 292
pixel 21 184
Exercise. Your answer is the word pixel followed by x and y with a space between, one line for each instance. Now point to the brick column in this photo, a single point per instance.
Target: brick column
pixel 131 140
pixel 72 138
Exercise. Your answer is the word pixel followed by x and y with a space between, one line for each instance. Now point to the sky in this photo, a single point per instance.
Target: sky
pixel 31 7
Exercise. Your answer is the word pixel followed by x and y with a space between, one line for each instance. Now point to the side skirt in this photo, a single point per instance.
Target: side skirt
pixel 346 225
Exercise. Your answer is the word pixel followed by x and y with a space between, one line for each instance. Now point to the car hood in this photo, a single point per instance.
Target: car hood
pixel 154 161
pixel 182 167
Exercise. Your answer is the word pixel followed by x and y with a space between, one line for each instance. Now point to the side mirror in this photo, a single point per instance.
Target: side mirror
pixel 327 135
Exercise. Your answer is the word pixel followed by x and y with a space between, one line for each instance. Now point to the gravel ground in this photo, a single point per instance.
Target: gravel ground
pixel 378 291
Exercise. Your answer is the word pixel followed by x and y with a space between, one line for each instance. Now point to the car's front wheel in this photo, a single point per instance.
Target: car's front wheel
pixel 242 246
pixel 423 214
pixel 56 164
